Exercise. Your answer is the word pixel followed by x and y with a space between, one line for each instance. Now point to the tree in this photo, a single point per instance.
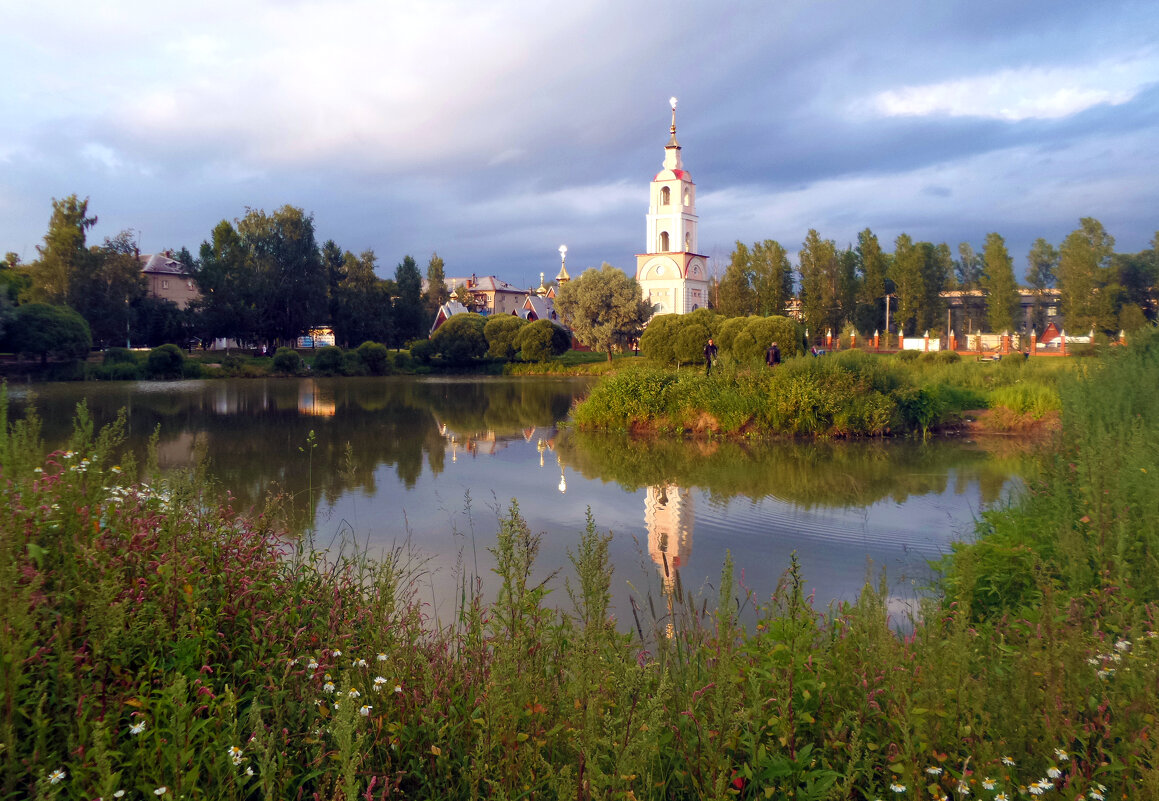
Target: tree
pixel 735 296
pixel 968 267
pixel 1002 304
pixel 63 255
pixel 228 284
pixel 288 266
pixel 1084 277
pixel 1137 274
pixel 105 292
pixel 937 270
pixel 361 308
pixel 872 266
pixel 908 264
pixel 819 283
pixel 41 329
pixel 437 293
pixel 408 305
pixel 14 281
pixel 1041 265
pixel 772 277
pixel 603 308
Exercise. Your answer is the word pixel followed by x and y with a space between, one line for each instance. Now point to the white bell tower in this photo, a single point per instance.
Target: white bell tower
pixel 671 273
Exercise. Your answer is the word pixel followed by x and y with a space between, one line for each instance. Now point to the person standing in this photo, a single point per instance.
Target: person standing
pixel 709 355
pixel 773 355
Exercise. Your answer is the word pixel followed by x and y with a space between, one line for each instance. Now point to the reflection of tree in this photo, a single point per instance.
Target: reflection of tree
pixel 808 474
pixel 256 431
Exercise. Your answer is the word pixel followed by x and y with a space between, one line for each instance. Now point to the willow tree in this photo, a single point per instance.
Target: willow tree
pixel 603 308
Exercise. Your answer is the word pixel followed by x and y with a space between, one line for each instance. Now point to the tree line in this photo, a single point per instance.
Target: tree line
pixel 262 279
pixel 838 288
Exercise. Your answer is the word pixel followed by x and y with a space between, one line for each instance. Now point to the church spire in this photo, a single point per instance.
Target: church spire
pixel 672 139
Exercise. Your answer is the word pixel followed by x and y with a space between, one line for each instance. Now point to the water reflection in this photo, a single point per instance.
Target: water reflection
pixel 434 461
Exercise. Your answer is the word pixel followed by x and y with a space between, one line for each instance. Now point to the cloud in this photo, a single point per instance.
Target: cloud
pixel 1024 93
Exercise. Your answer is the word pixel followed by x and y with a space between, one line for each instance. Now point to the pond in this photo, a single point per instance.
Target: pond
pixel 429 464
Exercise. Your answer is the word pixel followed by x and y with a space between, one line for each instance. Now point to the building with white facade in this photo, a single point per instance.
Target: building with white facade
pixel 672 275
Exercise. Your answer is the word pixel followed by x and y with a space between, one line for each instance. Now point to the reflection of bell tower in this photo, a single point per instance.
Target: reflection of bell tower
pixel 669 518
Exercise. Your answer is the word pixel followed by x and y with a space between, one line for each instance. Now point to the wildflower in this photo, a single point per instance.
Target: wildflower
pixel 398 688
pixel 161 790
pixel 1035 789
pixel 119 794
pixel 988 783
pixel 1053 772
pixel 1060 755
pixel 249 771
pixel 381 657
pixel 1123 645
pixel 137 727
pixel 1007 760
pixel 365 711
pixel 336 652
pixel 1001 797
pixel 38 470
pixel 116 469
pixel 313 664
pixel 963 789
pixel 354 692
pixel 359 663
pixel 328 687
pixel 235 754
pixel 934 771
pixel 57 776
pixel 1106 674
pixel 897 788
pixel 378 682
pixel 1093 660
pixel 1095 795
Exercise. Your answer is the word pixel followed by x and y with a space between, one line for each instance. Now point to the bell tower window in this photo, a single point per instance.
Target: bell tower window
pixel 665 196
pixel 663 241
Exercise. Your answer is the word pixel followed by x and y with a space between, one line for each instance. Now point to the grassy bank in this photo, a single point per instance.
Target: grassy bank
pixel 849 394
pixel 157 642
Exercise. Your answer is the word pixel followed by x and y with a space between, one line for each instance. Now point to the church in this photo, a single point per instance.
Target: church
pixel 672 275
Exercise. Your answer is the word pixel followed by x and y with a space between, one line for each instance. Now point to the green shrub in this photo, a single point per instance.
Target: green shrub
pixel 287 361
pixel 191 369
pixel 727 331
pixel 328 361
pixel 166 361
pixel 375 357
pixel 539 341
pixel 500 332
pixel 908 355
pixel 948 357
pixel 658 342
pixel 120 356
pixel 402 361
pixel 352 364
pixel 460 339
pixel 421 350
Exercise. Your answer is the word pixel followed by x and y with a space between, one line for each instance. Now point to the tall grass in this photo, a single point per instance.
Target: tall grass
pixel 155 641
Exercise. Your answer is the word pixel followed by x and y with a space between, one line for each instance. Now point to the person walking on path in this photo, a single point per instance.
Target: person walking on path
pixel 773 355
pixel 709 355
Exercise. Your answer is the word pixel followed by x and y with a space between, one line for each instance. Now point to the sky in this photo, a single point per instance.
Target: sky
pixel 494 132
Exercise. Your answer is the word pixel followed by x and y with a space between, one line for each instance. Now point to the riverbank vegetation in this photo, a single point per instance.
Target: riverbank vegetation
pixel 847 394
pixel 157 642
